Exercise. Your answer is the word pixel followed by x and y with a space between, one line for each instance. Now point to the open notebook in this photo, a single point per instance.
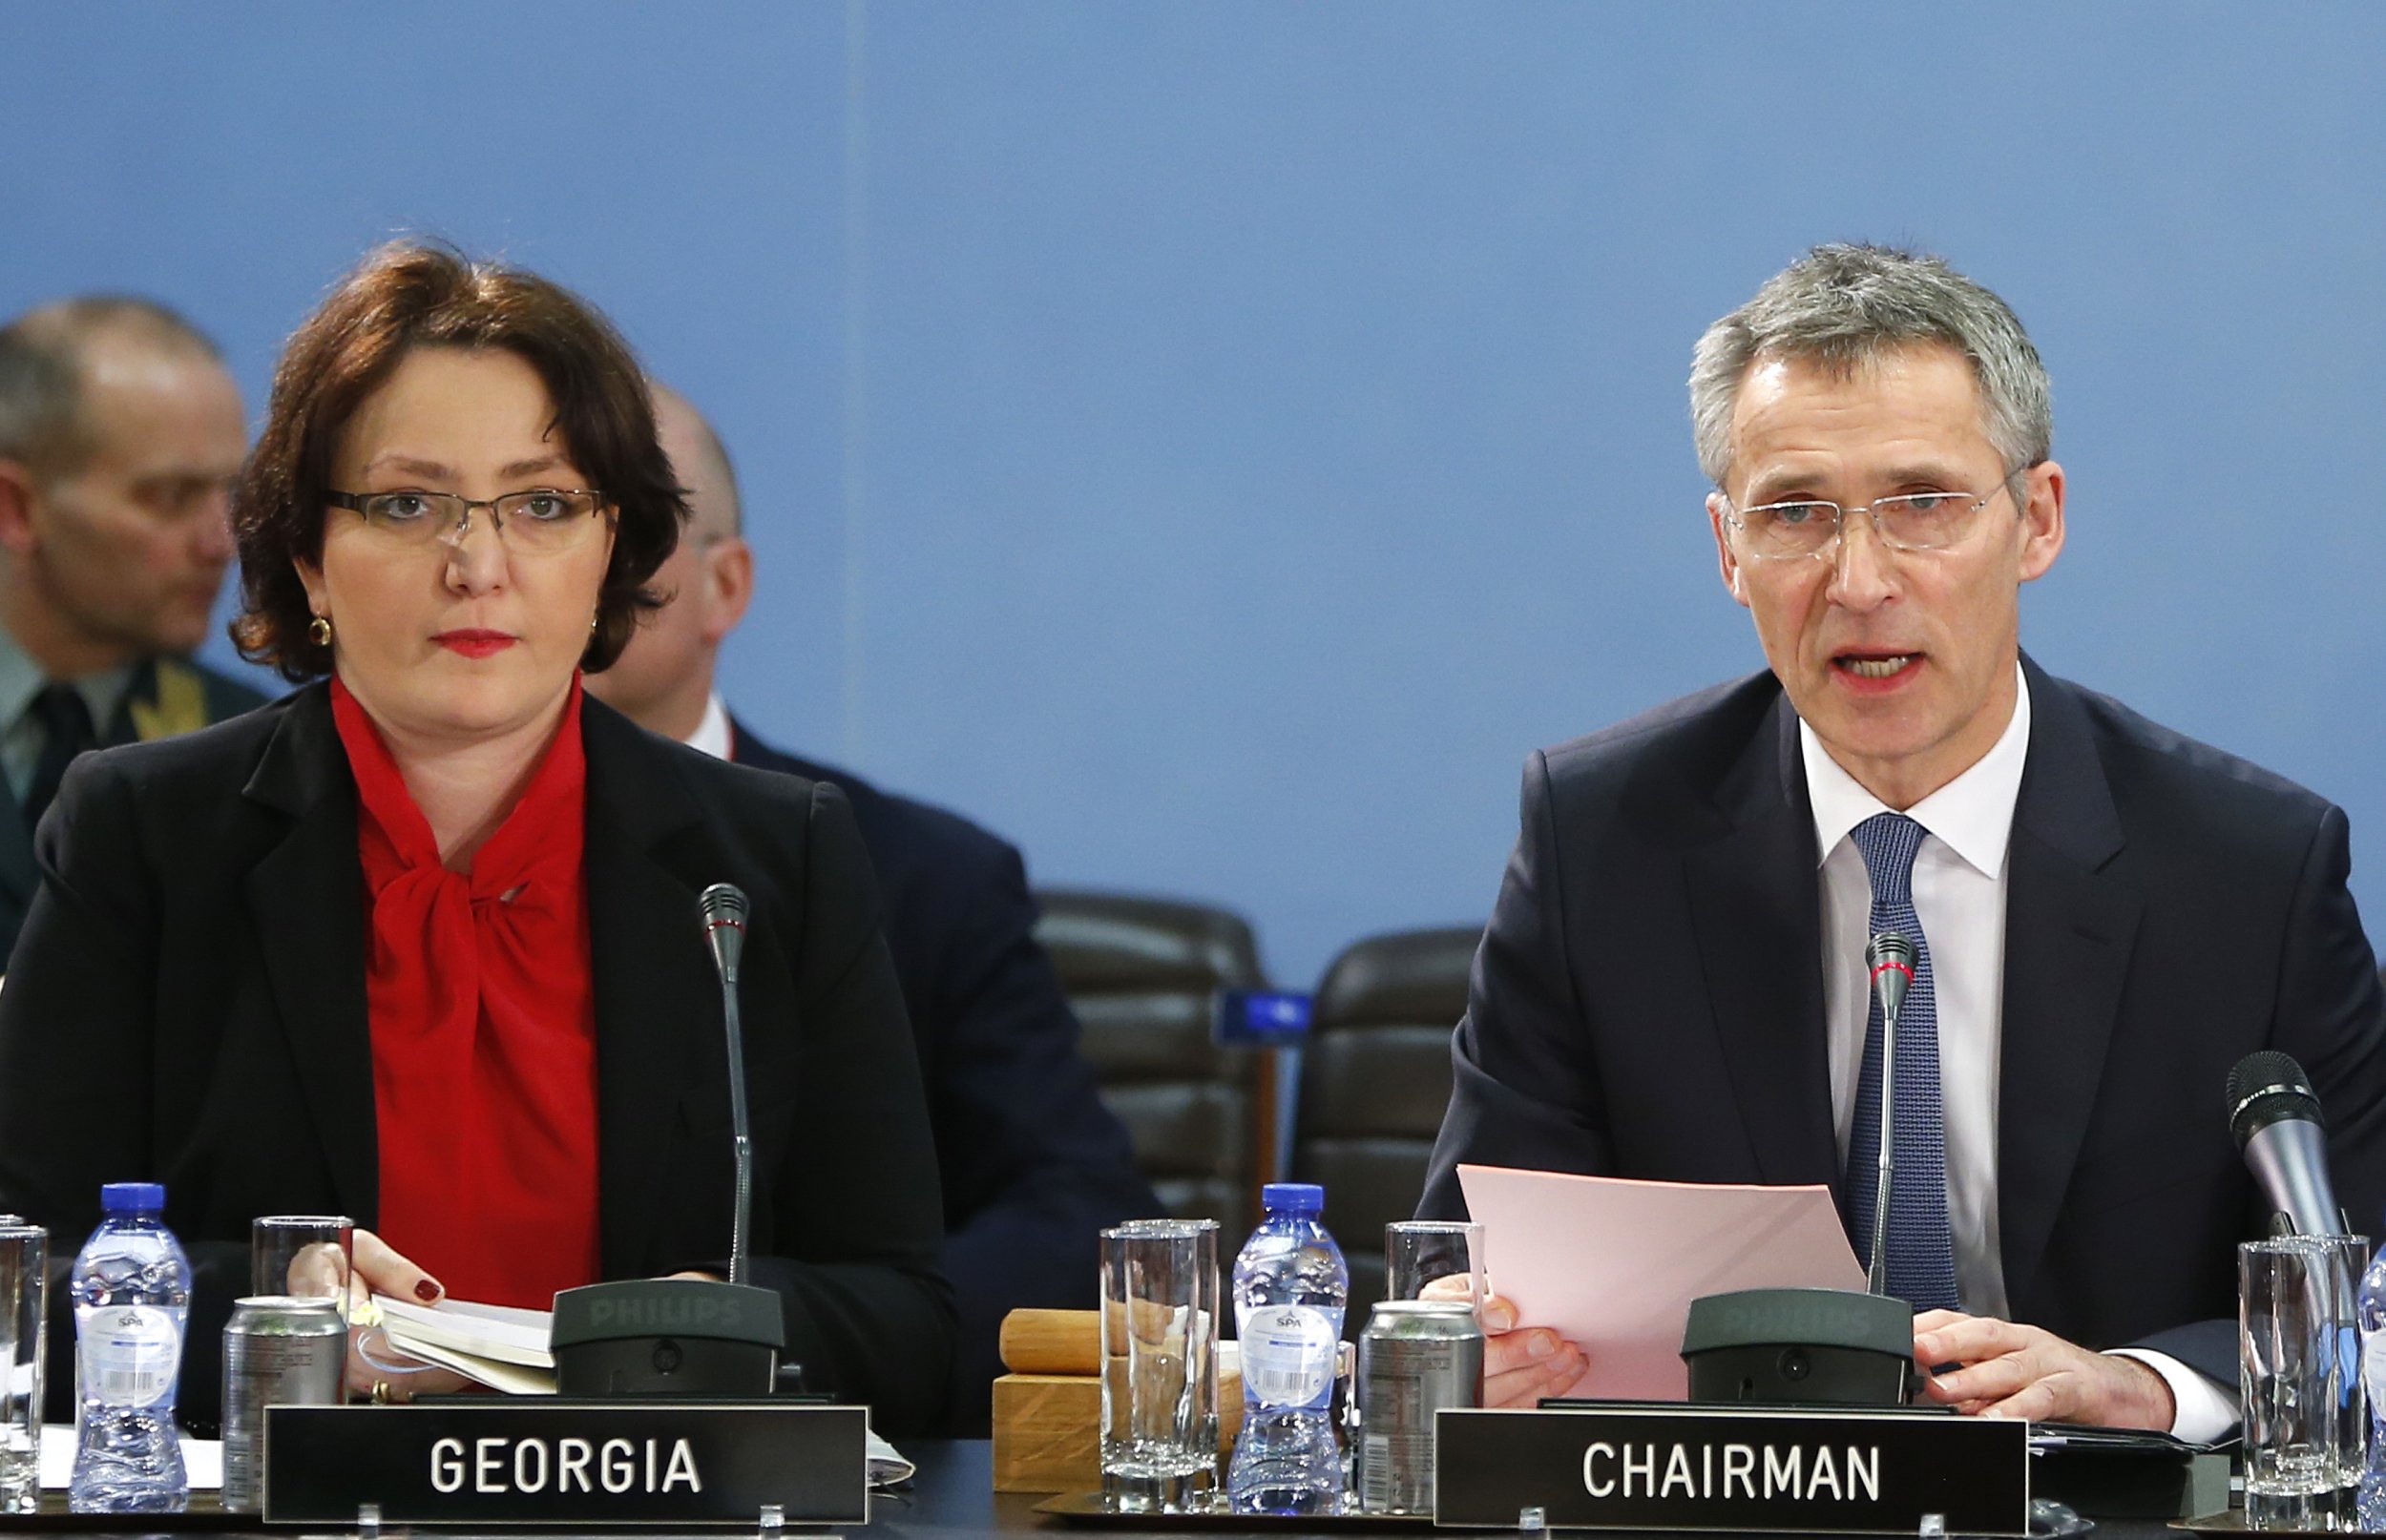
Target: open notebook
pixel 505 1348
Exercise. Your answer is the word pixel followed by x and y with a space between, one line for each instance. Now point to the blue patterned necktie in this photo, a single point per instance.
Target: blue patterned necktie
pixel 1921 1245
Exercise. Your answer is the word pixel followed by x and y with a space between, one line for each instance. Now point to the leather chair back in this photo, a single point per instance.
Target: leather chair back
pixel 1375 1083
pixel 1142 974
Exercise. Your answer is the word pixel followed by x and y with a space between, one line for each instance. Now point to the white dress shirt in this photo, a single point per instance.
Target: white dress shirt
pixel 1959 897
pixel 713 735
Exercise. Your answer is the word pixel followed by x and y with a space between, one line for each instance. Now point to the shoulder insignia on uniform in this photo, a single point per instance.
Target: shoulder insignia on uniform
pixel 178 706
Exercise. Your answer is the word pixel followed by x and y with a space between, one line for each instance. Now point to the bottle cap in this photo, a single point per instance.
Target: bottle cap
pixel 1293 1198
pixel 132 1198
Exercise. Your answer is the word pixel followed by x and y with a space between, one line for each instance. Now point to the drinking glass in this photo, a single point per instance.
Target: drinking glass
pixel 24 1259
pixel 1160 1366
pixel 303 1255
pixel 1416 1252
pixel 2294 1312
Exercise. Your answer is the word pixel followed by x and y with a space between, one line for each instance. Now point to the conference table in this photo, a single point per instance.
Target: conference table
pixel 953 1498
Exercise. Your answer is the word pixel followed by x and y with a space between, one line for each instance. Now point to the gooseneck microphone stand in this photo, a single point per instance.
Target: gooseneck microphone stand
pixel 1821 1347
pixel 684 1336
pixel 724 907
pixel 1891 959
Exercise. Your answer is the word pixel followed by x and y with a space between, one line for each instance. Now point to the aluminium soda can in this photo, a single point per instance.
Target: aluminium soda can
pixel 1415 1357
pixel 278 1351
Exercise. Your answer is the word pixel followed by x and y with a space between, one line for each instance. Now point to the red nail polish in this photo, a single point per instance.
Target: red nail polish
pixel 427 1291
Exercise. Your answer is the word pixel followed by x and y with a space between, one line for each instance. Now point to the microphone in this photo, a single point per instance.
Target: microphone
pixel 723 908
pixel 2274 1117
pixel 1820 1346
pixel 1889 957
pixel 678 1335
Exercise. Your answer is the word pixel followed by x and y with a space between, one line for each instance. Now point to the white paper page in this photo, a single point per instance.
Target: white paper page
pixel 508 1333
pixel 512 1379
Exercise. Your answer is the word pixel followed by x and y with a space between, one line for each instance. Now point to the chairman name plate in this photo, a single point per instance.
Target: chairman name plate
pixel 1749 1468
pixel 555 1461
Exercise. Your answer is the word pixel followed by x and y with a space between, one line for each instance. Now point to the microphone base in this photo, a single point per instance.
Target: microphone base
pixel 1811 1348
pixel 667 1337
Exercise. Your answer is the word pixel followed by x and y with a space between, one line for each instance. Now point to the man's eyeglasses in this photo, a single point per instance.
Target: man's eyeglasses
pixel 543 520
pixel 1911 521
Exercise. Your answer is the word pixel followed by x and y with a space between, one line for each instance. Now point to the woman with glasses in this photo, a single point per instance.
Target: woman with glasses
pixel 420 942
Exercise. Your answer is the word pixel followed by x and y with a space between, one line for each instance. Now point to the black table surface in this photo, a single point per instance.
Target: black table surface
pixel 953 1498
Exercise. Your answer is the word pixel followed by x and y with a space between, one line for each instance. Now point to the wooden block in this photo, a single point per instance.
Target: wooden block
pixel 1069 1342
pixel 1052 1341
pixel 1048 1430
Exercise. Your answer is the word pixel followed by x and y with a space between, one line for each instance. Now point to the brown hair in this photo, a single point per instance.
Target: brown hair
pixel 409 295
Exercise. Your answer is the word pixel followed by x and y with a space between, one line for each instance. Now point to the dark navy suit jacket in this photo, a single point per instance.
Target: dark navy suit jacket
pixel 1033 1163
pixel 1648 999
pixel 188 1005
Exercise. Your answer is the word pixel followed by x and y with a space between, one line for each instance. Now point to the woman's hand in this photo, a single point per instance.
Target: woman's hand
pixel 381 1270
pixel 377 1370
pixel 1519 1365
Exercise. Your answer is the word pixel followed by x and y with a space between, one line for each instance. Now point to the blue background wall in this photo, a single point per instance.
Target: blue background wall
pixel 1212 444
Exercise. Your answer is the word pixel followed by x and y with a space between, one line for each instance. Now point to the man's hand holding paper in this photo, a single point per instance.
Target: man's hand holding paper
pixel 1601 1272
pixel 1593 1314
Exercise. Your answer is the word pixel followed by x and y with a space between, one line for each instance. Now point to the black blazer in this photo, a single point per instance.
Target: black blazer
pixel 166 695
pixel 1034 1164
pixel 188 1006
pixel 1648 999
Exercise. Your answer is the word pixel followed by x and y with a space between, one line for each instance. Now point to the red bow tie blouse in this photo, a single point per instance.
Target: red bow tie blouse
pixel 483 1027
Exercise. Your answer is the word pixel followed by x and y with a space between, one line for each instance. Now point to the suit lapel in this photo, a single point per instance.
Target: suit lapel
pixel 307 895
pixel 650 990
pixel 1758 927
pixel 2069 926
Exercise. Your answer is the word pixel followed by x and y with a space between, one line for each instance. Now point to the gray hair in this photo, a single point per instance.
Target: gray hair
pixel 1844 306
pixel 41 370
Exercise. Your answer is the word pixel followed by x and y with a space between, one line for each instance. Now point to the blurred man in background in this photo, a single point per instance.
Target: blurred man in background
pixel 1032 1164
pixel 120 432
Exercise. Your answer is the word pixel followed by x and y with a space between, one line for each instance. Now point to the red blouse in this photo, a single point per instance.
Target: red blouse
pixel 484 1028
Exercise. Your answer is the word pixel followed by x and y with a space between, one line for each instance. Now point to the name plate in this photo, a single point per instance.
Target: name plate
pixel 1643 1467
pixel 551 1461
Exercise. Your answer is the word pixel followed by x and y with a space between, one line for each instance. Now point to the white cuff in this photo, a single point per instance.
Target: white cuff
pixel 2202 1412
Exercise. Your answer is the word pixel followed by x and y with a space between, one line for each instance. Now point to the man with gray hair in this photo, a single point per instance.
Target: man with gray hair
pixel 120 432
pixel 2105 916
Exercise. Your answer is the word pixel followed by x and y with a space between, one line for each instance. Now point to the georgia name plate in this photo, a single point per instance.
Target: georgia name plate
pixel 555 1461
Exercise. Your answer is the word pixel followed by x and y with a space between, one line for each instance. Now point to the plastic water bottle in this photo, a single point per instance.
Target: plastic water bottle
pixel 1291 1288
pixel 2371 1501
pixel 132 1292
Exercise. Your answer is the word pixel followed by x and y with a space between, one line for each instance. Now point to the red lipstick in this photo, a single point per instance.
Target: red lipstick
pixel 475 643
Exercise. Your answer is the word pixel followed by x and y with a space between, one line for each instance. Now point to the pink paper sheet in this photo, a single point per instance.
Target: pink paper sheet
pixel 1614 1264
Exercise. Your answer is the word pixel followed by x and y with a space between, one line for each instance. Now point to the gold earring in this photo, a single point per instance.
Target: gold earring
pixel 319 631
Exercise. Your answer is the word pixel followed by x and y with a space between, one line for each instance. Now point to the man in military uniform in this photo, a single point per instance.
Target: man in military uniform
pixel 120 433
